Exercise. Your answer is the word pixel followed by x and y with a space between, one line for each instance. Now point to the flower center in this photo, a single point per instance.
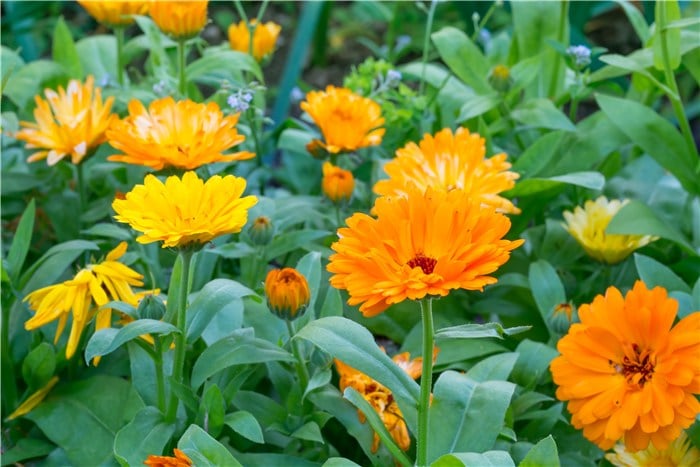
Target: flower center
pixel 426 263
pixel 637 369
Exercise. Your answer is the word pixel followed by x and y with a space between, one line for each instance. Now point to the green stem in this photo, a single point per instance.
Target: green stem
pixel 160 377
pixel 119 31
pixel 505 112
pixel 180 341
pixel 181 56
pixel 563 19
pixel 9 385
pixel 302 371
pixel 338 222
pixel 426 380
pixel 82 193
pixel 483 22
pixel 426 45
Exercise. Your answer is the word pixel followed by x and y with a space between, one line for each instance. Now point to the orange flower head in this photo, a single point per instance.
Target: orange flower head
pixel 347 120
pixel 182 135
pixel 187 211
pixel 627 372
pixel 450 161
pixel 287 293
pixel 70 122
pixel 179 19
pixel 115 13
pixel 180 460
pixel 424 243
pixel 264 38
pixel 337 183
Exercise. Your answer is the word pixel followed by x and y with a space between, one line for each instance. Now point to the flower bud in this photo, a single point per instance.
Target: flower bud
pixel 500 78
pixel 261 230
pixel 151 307
pixel 287 293
pixel 337 183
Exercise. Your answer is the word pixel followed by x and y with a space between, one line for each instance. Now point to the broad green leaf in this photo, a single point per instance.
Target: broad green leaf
pixel 547 289
pixel 665 13
pixel 21 241
pixel 339 462
pixel 64 50
pixel 355 346
pixel 309 431
pixel 104 229
pixel 532 186
pixel 106 341
pixel 629 63
pixel 290 241
pixel 211 410
pixel 539 155
pixel 97 409
pixel 204 450
pixel 655 135
pixel 543 454
pixel 476 331
pixel 333 304
pixel 468 459
pixel 636 218
pixel 541 113
pixel 463 57
pixel 319 379
pixel 39 365
pixel 217 296
pixel 221 65
pixel 478 105
pixel 310 266
pixel 146 434
pixel 495 367
pixel 32 79
pixel 26 448
pixel 98 56
pixel 533 362
pixel 654 273
pixel 233 250
pixel 246 425
pixel 52 264
pixel 239 349
pixel 10 62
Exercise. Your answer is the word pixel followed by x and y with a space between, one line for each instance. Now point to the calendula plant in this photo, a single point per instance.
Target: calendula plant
pixel 359 233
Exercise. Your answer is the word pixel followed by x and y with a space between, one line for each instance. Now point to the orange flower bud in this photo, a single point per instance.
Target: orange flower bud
pixel 287 293
pixel 338 183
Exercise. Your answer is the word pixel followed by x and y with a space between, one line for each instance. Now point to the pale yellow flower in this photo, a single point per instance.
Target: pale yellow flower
pixel 681 453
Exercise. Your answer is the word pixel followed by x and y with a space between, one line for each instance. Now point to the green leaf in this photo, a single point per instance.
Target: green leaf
pixel 333 304
pixel 355 346
pixel 309 431
pixel 52 264
pixel 629 63
pixel 485 459
pixel 636 218
pixel 26 448
pixel 541 113
pixel 221 65
pixel 239 349
pixel 533 186
pixel 98 56
pixel 32 79
pixel 310 266
pixel 463 57
pixel 290 241
pixel 246 425
pixel 477 105
pixel 64 50
pixel 318 380
pixel 339 462
pixel 106 341
pixel 39 365
pixel 97 408
pixel 211 410
pixel 495 367
pixel 217 296
pixel 655 135
pixel 636 19
pixel 533 362
pixel 204 450
pixel 104 229
pixel 665 13
pixel 542 454
pixel 21 242
pixel 654 273
pixel 146 434
pixel 539 155
pixel 476 331
pixel 547 289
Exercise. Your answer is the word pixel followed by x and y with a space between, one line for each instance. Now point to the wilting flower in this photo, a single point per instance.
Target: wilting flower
pixel 587 225
pixel 450 161
pixel 187 210
pixel 627 372
pixel 287 293
pixel 70 122
pixel 183 134
pixel 179 19
pixel 180 460
pixel 347 120
pixel 337 183
pixel 264 38
pixel 681 453
pixel 381 398
pixel 34 400
pixel 424 243
pixel 92 287
pixel 115 13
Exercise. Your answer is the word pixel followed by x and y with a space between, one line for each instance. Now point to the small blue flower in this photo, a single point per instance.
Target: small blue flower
pixel 581 55
pixel 393 77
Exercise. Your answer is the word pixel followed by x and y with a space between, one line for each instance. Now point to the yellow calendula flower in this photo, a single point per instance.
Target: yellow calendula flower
pixel 185 211
pixel 347 120
pixel 115 13
pixel 587 225
pixel 264 38
pixel 287 293
pixel 681 453
pixel 451 160
pixel 70 122
pixel 34 400
pixel 92 287
pixel 180 460
pixel 337 183
pixel 182 135
pixel 179 19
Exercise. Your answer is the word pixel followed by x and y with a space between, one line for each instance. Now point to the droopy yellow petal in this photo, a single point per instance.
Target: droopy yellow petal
pixel 33 400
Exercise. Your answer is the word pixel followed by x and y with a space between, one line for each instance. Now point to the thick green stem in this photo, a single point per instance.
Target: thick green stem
pixel 426 45
pixel 119 32
pixel 562 39
pixel 180 341
pixel 160 377
pixel 302 371
pixel 426 380
pixel 338 221
pixel 182 65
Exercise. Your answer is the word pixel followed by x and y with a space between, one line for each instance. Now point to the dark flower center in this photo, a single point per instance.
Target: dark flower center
pixel 637 369
pixel 426 263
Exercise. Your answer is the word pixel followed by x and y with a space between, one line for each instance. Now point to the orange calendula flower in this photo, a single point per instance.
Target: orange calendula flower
pixel 587 225
pixel 187 210
pixel 287 293
pixel 114 13
pixel 627 372
pixel 450 161
pixel 347 120
pixel 264 38
pixel 70 122
pixel 92 287
pixel 180 460
pixel 183 135
pixel 424 243
pixel 179 19
pixel 34 400
pixel 337 183
pixel 681 453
